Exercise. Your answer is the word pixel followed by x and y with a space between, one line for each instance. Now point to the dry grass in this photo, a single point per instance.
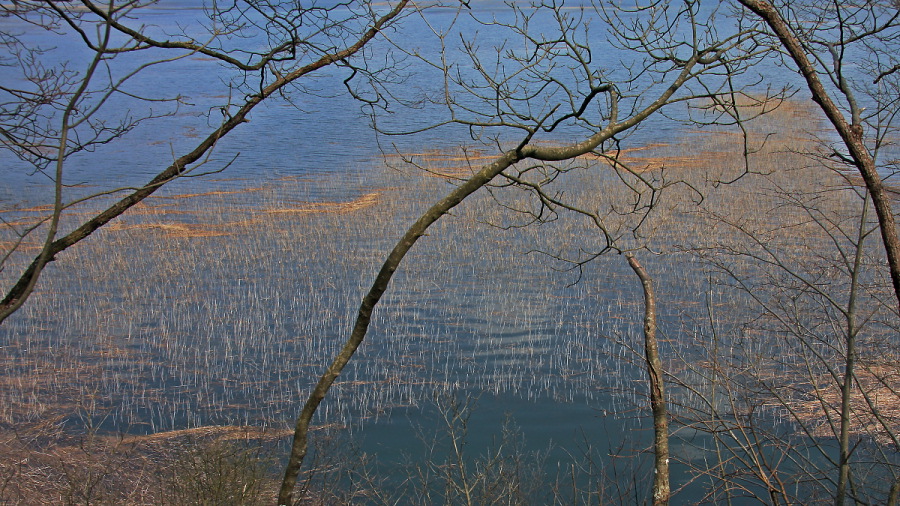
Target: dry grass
pixel 878 384
pixel 369 199
pixel 218 433
pixel 192 225
pixel 167 468
pixel 197 313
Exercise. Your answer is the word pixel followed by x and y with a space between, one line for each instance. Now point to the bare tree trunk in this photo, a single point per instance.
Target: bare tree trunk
pixel 18 294
pixel 850 362
pixel 661 486
pixel 851 133
pixel 301 430
pixel 27 284
pixel 488 172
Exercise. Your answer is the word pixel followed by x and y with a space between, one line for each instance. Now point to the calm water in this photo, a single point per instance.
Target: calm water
pixel 323 132
pixel 191 338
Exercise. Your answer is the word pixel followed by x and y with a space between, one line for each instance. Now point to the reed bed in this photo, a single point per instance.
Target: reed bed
pixel 199 310
pixel 222 307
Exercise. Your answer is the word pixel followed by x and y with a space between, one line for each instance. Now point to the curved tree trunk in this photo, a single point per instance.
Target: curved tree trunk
pixel 482 177
pixel 851 133
pixel 18 294
pixel 661 486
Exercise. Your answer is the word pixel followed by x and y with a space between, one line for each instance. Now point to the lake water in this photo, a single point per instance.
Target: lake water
pixel 144 330
pixel 323 132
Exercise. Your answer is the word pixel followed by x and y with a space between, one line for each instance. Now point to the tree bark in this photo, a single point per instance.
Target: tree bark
pixel 482 177
pixel 661 486
pixel 851 133
pixel 19 293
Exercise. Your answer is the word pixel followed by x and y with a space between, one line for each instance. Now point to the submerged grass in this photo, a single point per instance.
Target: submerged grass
pixel 221 308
